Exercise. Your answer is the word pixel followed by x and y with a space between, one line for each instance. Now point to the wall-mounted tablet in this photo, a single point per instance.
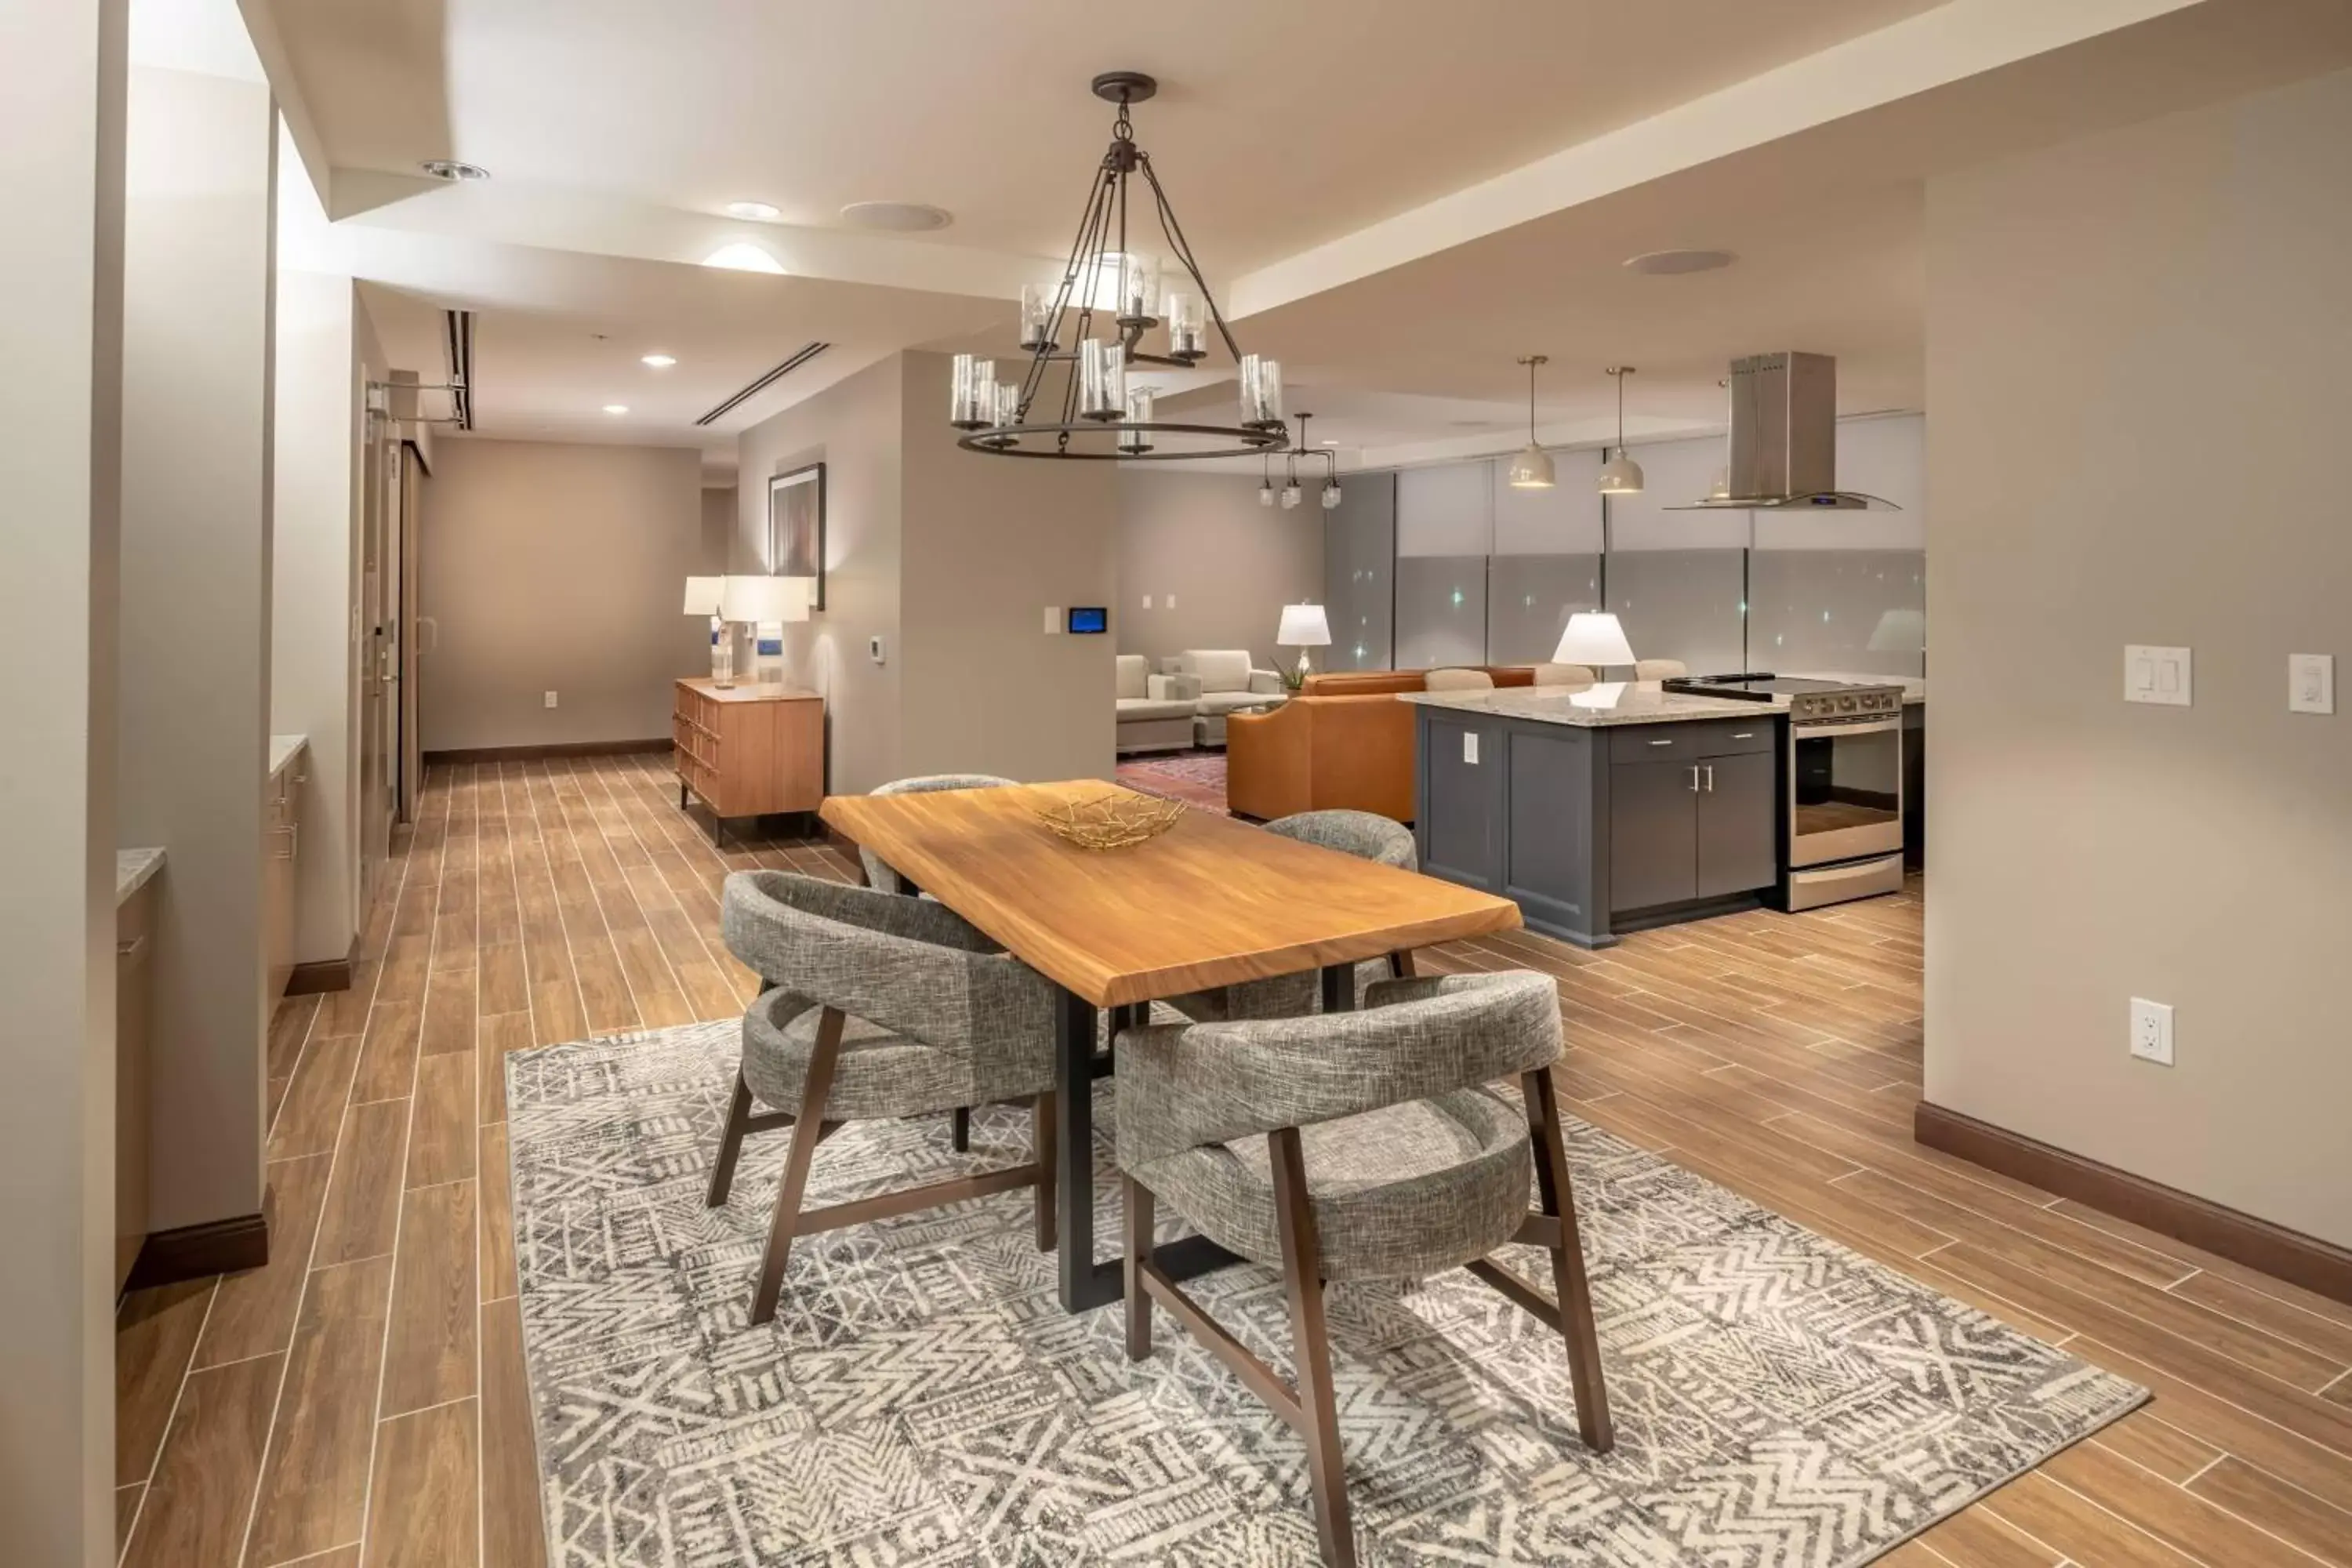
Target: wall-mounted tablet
pixel 1089 618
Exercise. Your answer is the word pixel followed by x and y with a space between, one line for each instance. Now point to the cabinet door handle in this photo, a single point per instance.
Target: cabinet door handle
pixel 1710 778
pixel 1745 735
pixel 128 948
pixel 1694 780
pixel 1668 741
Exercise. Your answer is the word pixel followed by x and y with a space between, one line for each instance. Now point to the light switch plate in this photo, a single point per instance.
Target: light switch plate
pixel 874 649
pixel 2151 1031
pixel 1053 619
pixel 2157 674
pixel 2311 683
pixel 550 699
pixel 1147 600
pixel 1170 601
pixel 1470 747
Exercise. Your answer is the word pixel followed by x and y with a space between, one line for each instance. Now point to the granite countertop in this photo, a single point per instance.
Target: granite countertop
pixel 133 869
pixel 1915 688
pixel 284 749
pixel 1596 707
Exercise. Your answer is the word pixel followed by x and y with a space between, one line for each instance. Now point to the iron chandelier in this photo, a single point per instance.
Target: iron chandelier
pixel 1098 415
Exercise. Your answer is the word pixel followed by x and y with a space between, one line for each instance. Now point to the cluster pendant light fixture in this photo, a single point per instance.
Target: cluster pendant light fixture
pixel 1291 495
pixel 1531 469
pixel 1106 298
pixel 1621 475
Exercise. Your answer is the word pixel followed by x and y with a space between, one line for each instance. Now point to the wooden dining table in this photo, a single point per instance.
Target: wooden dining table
pixel 1209 902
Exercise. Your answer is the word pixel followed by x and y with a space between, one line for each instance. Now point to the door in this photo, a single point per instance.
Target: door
pixel 378 650
pixel 1738 848
pixel 1653 833
pixel 1845 791
pixel 410 783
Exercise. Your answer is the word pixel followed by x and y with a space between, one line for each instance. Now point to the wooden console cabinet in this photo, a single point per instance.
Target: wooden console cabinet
pixel 749 750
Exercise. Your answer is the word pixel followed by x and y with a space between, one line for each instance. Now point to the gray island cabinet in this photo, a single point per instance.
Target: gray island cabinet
pixel 1604 815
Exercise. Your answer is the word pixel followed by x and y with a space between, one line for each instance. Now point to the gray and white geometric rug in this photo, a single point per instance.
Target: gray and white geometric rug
pixel 922 1399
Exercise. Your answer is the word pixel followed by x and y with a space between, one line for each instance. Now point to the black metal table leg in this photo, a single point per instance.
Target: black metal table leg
pixel 1339 988
pixel 1083 1285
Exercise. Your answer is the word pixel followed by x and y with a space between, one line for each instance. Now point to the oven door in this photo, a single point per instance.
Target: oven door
pixel 1845 790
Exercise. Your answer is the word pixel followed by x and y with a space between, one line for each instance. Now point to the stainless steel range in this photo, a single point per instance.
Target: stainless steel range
pixel 1844 782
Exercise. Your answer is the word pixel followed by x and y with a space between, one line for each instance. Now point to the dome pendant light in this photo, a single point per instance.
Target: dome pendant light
pixel 1531 469
pixel 1621 475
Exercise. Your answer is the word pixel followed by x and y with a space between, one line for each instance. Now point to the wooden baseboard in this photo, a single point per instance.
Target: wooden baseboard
pixel 194 1251
pixel 2300 1259
pixel 324 975
pixel 555 748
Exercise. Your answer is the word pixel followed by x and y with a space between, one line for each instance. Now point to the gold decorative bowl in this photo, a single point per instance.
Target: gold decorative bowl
pixel 1118 821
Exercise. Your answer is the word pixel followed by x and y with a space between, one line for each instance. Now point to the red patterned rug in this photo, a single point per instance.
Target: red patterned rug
pixel 1196 778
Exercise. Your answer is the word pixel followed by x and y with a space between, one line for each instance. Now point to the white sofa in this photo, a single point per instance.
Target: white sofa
pixel 1227 680
pixel 1154 713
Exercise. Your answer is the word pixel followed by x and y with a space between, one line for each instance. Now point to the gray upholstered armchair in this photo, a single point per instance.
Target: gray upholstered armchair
pixel 1352 1146
pixel 878 875
pixel 877 1007
pixel 1358 833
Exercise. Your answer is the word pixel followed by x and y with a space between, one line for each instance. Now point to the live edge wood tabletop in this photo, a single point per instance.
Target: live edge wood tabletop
pixel 749 750
pixel 1209 902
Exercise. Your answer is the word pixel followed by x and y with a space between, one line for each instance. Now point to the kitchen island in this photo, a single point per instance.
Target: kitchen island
pixel 1601 811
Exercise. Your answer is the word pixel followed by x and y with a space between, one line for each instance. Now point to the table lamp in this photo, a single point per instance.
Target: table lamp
pixel 1303 627
pixel 766 603
pixel 1593 638
pixel 703 597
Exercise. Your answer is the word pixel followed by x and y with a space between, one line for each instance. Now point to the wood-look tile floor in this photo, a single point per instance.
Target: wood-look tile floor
pixel 360 1402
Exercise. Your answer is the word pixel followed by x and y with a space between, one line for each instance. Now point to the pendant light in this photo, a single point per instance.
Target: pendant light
pixel 1265 483
pixel 1531 469
pixel 1621 475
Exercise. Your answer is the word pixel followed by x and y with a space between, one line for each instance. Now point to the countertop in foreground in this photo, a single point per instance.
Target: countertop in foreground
pixel 284 749
pixel 133 869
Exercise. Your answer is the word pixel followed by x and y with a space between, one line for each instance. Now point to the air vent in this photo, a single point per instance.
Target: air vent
pixel 761 383
pixel 460 330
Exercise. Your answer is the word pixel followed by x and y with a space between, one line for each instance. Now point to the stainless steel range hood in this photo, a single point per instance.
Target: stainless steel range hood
pixel 1783 441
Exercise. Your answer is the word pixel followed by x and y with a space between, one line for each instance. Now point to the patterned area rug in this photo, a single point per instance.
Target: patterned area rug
pixel 922 1398
pixel 1197 778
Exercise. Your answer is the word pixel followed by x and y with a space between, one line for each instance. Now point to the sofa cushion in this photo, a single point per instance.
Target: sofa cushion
pixel 1134 669
pixel 1220 668
pixel 1457 681
pixel 1216 702
pixel 1136 708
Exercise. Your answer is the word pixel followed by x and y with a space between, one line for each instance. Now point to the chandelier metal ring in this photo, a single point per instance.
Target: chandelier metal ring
pixel 1024 420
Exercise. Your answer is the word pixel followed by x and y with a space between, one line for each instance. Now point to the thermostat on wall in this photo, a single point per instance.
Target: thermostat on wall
pixel 1089 618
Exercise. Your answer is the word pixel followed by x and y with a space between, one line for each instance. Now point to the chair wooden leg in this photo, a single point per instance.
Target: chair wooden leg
pixel 1569 1284
pixel 730 1142
pixel 1041 1146
pixel 1302 1280
pixel 959 1129
pixel 808 1131
pixel 1135 1199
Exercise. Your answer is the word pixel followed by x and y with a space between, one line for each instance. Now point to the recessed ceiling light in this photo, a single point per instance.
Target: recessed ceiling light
pixel 453 171
pixel 898 217
pixel 616 408
pixel 659 361
pixel 1667 263
pixel 743 257
pixel 758 211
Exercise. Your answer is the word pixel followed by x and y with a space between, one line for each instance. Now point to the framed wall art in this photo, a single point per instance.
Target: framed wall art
pixel 796 528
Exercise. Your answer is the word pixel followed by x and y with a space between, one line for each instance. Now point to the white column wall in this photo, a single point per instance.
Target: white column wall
pixel 61 114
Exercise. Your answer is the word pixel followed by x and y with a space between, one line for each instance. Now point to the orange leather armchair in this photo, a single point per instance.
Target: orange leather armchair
pixel 1344 742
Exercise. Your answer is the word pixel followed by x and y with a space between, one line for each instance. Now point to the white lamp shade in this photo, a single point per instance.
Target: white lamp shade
pixel 1595 638
pixel 704 595
pixel 1304 625
pixel 760 600
pixel 1531 469
pixel 1621 475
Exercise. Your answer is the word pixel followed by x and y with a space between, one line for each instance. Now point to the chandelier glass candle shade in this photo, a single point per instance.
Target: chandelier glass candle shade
pixel 1085 335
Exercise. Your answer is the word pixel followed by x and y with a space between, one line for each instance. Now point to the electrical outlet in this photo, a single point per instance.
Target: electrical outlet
pixel 550 699
pixel 1171 601
pixel 1147 600
pixel 1470 747
pixel 2151 1031
pixel 2311 683
pixel 1053 619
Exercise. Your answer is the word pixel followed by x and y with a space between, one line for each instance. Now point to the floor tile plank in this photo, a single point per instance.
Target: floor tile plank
pixel 313 1494
pixel 429 1347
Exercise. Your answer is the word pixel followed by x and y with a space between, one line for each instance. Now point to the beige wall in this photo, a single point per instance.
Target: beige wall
pixel 853 429
pixel 991 543
pixel 951 558
pixel 558 567
pixel 61 152
pixel 1231 563
pixel 193 725
pixel 2137 352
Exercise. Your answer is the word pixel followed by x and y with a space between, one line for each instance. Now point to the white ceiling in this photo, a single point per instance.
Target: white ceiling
pixel 1401 197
